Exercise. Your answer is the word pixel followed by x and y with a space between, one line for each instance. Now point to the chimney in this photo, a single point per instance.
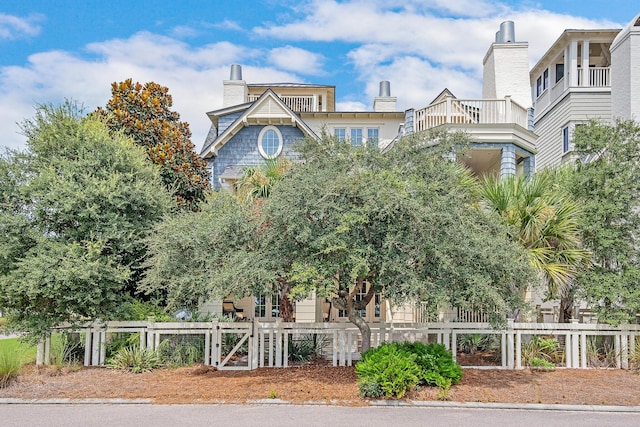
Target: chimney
pixel 235 89
pixel 384 102
pixel 506 68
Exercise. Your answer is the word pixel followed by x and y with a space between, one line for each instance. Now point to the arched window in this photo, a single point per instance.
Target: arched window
pixel 270 142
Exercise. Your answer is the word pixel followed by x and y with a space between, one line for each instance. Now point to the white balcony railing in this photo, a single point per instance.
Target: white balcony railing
pixel 598 77
pixel 299 104
pixel 470 111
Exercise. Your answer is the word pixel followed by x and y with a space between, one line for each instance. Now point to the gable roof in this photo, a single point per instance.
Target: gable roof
pixel 266 110
pixel 445 92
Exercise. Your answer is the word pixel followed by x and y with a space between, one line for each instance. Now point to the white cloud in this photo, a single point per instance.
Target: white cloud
pixel 193 75
pixel 419 46
pixel 13 27
pixel 227 24
pixel 297 60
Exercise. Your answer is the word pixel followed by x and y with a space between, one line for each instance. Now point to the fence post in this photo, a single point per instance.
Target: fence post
pixel 624 347
pixel 95 347
pixel 518 349
pixel 255 337
pixel 583 350
pixel 278 346
pixel 454 346
pixel 87 346
pixel 40 353
pixel 510 344
pixel 341 346
pixel 575 360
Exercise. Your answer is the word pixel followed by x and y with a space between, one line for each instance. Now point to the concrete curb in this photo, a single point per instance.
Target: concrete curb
pixel 372 403
pixel 518 406
pixel 15 401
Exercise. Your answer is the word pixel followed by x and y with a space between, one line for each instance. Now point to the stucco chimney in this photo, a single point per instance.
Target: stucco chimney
pixel 384 102
pixel 235 89
pixel 506 68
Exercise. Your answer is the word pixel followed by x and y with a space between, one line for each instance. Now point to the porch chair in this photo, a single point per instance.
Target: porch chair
pixel 230 309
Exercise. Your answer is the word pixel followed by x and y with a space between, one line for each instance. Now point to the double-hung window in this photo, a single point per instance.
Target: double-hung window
pixel 356 137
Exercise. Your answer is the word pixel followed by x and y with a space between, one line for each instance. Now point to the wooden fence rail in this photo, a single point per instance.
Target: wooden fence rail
pixel 251 345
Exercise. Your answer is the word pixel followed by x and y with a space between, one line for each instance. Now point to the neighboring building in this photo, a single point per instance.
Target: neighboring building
pixel 524 121
pixel 585 74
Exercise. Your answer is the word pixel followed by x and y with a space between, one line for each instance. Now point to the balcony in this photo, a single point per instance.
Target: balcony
pixel 470 111
pixel 597 77
pixel 299 104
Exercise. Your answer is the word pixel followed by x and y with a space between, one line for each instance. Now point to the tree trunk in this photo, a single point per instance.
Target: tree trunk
pixel 346 301
pixel 286 308
pixel 363 326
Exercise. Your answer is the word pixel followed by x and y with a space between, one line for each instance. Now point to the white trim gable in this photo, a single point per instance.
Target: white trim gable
pixel 266 110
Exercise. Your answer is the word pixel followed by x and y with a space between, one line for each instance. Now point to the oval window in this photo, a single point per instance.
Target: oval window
pixel 270 142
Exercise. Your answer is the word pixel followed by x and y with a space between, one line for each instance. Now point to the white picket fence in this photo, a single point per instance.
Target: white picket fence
pixel 251 345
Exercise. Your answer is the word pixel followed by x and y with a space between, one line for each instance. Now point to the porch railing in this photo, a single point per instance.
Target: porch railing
pixel 598 77
pixel 470 111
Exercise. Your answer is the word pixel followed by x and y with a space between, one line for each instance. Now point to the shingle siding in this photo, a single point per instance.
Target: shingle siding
pixel 242 149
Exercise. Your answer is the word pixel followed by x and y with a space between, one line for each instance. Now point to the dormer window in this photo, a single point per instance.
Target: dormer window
pixel 270 142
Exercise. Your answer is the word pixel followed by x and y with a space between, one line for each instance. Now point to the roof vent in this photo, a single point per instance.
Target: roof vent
pixel 236 72
pixel 385 89
pixel 507 32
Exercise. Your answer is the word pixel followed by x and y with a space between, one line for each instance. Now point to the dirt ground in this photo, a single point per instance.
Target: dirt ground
pixel 336 385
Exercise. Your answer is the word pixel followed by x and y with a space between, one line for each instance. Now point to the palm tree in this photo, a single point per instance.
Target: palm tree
pixel 257 181
pixel 545 220
pixel 255 185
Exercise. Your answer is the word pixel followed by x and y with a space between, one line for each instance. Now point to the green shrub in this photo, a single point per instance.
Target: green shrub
pixel 538 363
pixel 546 348
pixel 436 363
pixel 10 364
pixel 66 349
pixel 307 347
pixel 134 359
pixel 181 350
pixel 392 367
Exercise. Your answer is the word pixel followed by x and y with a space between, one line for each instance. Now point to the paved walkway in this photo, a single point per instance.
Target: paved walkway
pixel 6 337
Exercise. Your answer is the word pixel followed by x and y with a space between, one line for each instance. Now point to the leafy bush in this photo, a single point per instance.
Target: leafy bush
pixel 392 367
pixel 307 347
pixel 134 359
pixel 181 350
pixel 66 349
pixel 538 363
pixel 436 363
pixel 546 348
pixel 10 364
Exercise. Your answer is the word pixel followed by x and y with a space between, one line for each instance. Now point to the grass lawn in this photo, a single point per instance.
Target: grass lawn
pixel 13 345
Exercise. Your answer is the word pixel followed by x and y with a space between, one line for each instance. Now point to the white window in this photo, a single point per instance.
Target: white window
pixel 356 137
pixel 372 135
pixel 340 133
pixel 270 142
pixel 267 307
pixel 565 139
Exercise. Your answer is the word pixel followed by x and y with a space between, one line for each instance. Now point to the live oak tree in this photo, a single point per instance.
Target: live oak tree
pixel 209 254
pixel 143 112
pixel 74 211
pixel 402 223
pixel 607 181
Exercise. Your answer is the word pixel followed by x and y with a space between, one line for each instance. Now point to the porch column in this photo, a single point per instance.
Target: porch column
pixel 508 161
pixel 573 64
pixel 585 63
pixel 529 166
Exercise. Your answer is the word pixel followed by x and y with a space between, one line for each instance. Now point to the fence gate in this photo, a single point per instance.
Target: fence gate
pixel 233 346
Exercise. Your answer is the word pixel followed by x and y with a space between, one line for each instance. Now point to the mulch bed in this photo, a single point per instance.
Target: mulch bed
pixel 336 385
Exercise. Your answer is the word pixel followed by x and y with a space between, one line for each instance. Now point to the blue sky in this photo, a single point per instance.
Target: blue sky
pixel 56 49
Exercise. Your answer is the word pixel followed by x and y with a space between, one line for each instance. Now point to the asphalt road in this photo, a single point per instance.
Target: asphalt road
pixel 34 415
